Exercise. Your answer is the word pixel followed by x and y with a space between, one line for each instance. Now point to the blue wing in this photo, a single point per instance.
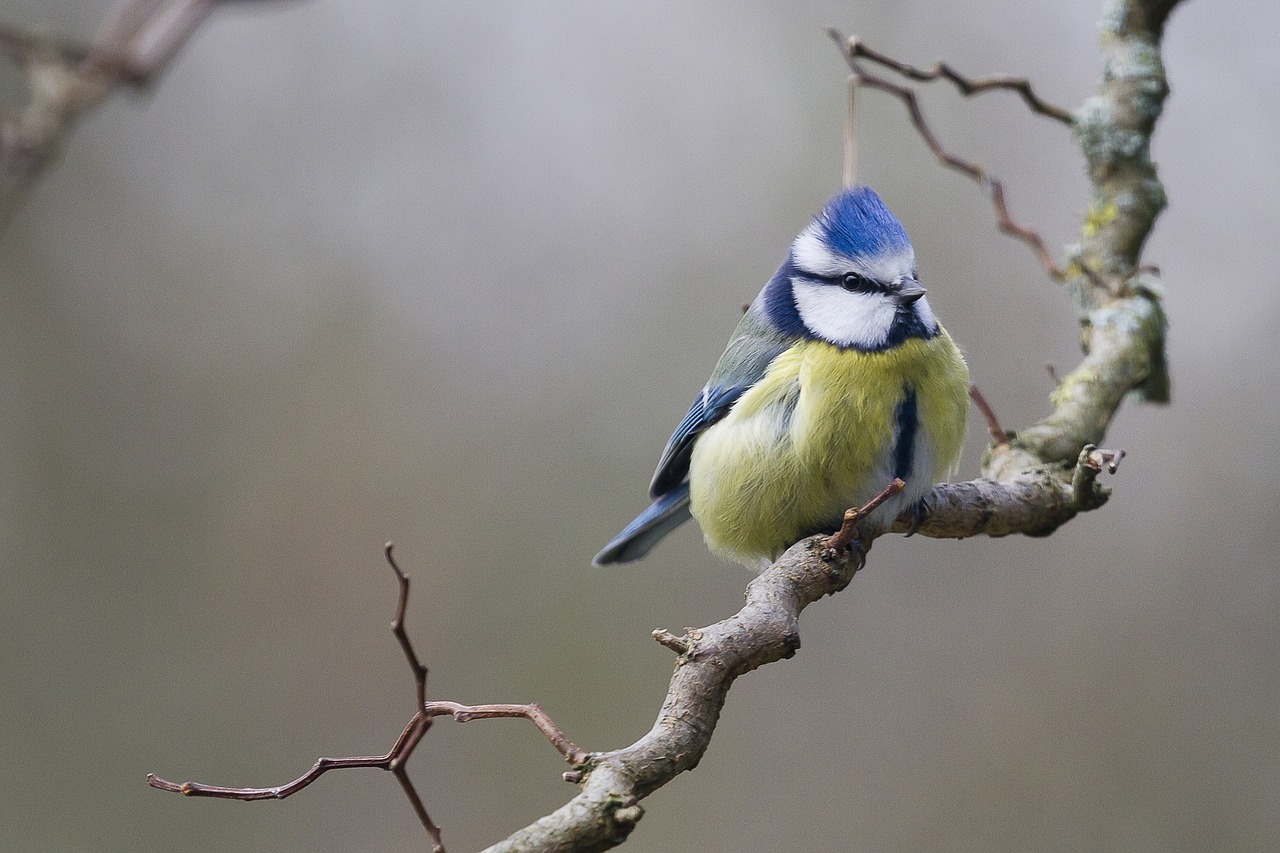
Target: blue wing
pixel 670 488
pixel 755 343
pixel 712 404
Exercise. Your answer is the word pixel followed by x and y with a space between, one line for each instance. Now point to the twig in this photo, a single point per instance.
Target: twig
pixel 852 49
pixel 532 712
pixel 967 85
pixel 998 434
pixel 848 532
pixel 851 133
pixel 395 758
pixel 679 645
pixel 397 626
pixel 408 739
pixel 1099 459
pixel 1086 492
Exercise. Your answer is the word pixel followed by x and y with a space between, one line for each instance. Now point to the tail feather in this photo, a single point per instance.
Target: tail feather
pixel 663 515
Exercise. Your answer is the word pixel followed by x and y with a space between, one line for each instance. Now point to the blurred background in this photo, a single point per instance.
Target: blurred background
pixel 448 274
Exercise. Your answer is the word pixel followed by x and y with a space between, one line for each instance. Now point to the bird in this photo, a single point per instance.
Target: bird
pixel 838 379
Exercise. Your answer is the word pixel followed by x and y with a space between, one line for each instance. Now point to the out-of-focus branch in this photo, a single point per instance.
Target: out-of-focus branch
pixel 134 44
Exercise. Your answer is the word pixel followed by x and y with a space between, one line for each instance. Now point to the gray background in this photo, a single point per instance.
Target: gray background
pixel 448 274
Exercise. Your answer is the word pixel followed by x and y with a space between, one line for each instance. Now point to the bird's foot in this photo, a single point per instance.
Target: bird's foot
pixel 919 514
pixel 840 546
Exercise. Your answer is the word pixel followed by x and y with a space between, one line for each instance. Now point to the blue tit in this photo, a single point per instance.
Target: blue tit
pixel 838 379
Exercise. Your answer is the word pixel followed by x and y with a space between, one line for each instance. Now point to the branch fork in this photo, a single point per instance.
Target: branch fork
pixel 395 758
pixel 136 41
pixel 854 50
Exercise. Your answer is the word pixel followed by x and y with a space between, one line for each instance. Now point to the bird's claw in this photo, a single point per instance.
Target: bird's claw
pixel 919 514
pixel 851 548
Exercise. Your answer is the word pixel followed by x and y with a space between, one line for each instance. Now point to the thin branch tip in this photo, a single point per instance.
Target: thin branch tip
pixel 679 645
pixel 999 435
pixel 1102 459
pixel 853 50
pixel 388 552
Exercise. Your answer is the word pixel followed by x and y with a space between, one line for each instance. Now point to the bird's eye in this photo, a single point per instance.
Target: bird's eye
pixel 854 282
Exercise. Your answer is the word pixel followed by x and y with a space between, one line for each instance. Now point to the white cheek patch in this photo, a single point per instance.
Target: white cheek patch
pixel 847 319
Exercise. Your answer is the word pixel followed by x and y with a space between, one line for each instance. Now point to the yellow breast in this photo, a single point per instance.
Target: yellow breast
pixel 817 434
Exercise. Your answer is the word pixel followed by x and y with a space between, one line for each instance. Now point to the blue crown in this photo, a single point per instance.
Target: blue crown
pixel 856 223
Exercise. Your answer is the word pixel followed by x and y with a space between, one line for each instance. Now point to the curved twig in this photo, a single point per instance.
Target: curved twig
pixel 395 758
pixel 966 85
pixel 852 49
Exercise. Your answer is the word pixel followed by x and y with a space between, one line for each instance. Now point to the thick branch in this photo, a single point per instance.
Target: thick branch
pixel 1113 129
pixel 1125 343
pixel 765 630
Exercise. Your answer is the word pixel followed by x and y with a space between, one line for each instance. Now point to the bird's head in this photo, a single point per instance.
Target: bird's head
pixel 850 278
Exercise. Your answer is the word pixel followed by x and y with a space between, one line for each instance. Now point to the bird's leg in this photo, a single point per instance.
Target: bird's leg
pixel 919 513
pixel 852 549
pixel 846 538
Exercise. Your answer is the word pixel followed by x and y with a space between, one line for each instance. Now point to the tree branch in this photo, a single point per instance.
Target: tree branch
pixel 853 49
pixel 966 85
pixel 1113 129
pixel 766 629
pixel 395 758
pixel 134 44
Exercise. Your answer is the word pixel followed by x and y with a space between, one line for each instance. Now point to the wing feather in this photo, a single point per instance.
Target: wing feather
pixel 754 345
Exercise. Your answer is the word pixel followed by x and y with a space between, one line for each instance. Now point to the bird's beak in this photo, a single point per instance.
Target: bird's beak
pixel 909 290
